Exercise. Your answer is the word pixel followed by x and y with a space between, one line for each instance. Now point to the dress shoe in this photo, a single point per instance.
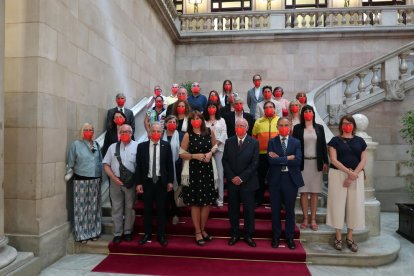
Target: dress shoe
pixel 250 242
pixel 146 238
pixel 275 243
pixel 116 239
pixel 290 243
pixel 128 237
pixel 163 241
pixel 233 240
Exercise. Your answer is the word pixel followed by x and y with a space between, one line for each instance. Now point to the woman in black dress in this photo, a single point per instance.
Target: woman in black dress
pixel 198 180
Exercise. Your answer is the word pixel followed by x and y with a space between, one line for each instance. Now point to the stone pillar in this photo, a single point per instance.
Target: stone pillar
pixel 372 205
pixel 7 253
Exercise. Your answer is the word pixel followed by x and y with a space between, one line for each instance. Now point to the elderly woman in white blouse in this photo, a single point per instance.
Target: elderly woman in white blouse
pixel 85 160
pixel 217 124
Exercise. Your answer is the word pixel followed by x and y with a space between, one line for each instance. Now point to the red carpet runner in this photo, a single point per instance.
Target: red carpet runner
pixel 183 257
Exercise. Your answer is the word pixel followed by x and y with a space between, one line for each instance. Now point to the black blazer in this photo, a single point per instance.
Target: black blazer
pixel 321 148
pixel 166 163
pixel 242 162
pixel 130 120
pixel 111 136
pixel 231 122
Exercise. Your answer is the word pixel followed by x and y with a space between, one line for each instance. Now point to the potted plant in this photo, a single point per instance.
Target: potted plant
pixel 406 211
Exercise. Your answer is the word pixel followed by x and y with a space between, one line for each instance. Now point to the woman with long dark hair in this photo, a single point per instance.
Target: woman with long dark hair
pixel 112 133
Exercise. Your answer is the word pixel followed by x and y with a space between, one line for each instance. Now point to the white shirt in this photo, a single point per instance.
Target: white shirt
pixel 238 139
pixel 122 109
pixel 157 161
pixel 220 131
pixel 236 117
pixel 128 156
pixel 257 92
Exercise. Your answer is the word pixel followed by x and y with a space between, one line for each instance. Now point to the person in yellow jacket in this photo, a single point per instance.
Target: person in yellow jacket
pixel 264 129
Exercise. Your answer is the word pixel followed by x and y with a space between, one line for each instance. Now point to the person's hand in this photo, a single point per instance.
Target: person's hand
pixel 236 180
pixel 140 189
pixel 273 154
pixel 169 187
pixel 325 168
pixel 117 181
pixel 291 157
pixel 352 175
pixel 347 182
pixel 207 157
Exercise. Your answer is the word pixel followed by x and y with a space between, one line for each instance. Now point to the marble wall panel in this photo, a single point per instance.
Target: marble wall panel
pixel 20 180
pixel 20 216
pixel 18 11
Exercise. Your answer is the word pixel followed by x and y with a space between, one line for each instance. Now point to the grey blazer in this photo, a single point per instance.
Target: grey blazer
pixel 252 101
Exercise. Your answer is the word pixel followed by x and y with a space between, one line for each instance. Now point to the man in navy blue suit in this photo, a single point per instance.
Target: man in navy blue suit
pixel 284 178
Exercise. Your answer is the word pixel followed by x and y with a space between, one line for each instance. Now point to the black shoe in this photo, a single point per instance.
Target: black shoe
pixel 250 242
pixel 290 243
pixel 207 238
pixel 275 243
pixel 146 238
pixel 233 240
pixel 128 237
pixel 116 239
pixel 201 241
pixel 163 241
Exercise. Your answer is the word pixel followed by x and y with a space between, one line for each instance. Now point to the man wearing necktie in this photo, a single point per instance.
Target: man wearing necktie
pixel 284 178
pixel 120 106
pixel 155 175
pixel 240 161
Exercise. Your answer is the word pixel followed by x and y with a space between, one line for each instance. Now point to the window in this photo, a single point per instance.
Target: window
pixel 178 5
pixel 231 5
pixel 382 3
pixel 305 4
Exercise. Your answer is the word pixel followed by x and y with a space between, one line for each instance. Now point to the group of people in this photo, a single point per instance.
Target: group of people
pixel 197 145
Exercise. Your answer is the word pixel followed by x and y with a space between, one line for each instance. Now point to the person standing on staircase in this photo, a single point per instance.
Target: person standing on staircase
pixel 284 178
pixel 240 161
pixel 120 106
pixel 121 189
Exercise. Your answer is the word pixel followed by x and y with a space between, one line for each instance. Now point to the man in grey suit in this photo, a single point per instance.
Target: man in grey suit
pixel 254 95
pixel 240 161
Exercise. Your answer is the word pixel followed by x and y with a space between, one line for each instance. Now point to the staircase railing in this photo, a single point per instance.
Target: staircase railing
pixel 139 111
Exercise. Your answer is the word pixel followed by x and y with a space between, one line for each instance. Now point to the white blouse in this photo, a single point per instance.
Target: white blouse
pixel 220 131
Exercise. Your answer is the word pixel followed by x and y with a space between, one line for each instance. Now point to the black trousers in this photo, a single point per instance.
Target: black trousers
pixel 154 192
pixel 236 194
pixel 262 172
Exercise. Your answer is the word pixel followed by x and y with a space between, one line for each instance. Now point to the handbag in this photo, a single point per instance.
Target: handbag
pixel 178 197
pixel 126 176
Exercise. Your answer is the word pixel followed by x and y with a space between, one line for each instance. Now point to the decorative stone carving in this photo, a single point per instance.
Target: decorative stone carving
pixel 362 123
pixel 394 90
pixel 335 112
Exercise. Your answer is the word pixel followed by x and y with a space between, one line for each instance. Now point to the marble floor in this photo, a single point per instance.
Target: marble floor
pixel 82 264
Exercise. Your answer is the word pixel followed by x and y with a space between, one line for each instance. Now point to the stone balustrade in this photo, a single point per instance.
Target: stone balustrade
pixel 360 17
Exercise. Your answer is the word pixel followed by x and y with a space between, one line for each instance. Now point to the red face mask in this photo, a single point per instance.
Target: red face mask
pixel 284 131
pixel 308 116
pixel 347 128
pixel 155 136
pixel 257 83
pixel 302 100
pixel 294 109
pixel 269 112
pixel 240 131
pixel 214 98
pixel 195 89
pixel 212 110
pixel 125 137
pixel 182 97
pixel 87 135
pixel 196 123
pixel 120 102
pixel 171 127
pixel 238 107
pixel 227 87
pixel 231 98
pixel 119 121
pixel 157 93
pixel 174 90
pixel 180 109
pixel 285 112
pixel 158 104
pixel 278 94
pixel 267 95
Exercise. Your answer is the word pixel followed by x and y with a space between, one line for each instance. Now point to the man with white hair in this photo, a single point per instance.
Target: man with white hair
pixel 122 190
pixel 173 97
pixel 238 113
pixel 181 95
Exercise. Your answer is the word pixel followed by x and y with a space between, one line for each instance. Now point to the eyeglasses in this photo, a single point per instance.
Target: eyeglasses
pixel 196 85
pixel 125 131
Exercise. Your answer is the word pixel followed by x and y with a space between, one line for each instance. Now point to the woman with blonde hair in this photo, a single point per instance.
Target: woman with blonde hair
pixel 85 160
pixel 294 112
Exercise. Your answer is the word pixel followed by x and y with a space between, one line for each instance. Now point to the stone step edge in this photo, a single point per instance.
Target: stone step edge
pixel 375 251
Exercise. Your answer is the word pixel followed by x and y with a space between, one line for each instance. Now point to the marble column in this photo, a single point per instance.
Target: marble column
pixel 372 205
pixel 7 253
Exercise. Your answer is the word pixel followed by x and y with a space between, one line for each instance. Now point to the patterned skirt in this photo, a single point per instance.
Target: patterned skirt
pixel 87 209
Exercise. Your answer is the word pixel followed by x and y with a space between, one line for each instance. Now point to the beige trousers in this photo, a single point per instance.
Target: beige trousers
pixel 345 203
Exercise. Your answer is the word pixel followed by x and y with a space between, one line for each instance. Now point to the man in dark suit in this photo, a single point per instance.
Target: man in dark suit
pixel 155 176
pixel 240 161
pixel 238 112
pixel 120 102
pixel 284 178
pixel 181 95
pixel 254 95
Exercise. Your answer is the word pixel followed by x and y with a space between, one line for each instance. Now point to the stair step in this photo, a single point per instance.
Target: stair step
pixel 376 251
pixel 326 234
